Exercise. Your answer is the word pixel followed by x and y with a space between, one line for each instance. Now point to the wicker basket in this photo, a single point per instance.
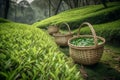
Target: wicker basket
pixel 87 55
pixel 62 39
pixel 53 29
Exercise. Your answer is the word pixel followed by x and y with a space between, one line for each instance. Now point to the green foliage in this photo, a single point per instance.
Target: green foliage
pixel 28 53
pixel 4 20
pixel 81 42
pixel 110 31
pixel 93 14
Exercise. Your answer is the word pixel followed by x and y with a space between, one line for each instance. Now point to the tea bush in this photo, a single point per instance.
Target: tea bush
pixel 28 53
pixel 110 31
pixel 95 14
pixel 4 20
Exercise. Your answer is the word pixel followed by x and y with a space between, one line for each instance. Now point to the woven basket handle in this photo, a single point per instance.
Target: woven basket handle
pixel 67 26
pixel 92 30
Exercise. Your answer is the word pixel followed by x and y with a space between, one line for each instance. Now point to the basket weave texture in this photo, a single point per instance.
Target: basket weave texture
pixel 53 29
pixel 87 55
pixel 62 39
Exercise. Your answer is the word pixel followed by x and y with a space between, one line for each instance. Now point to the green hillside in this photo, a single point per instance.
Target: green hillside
pixel 95 14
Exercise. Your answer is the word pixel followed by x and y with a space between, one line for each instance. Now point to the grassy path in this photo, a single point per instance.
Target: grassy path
pixel 107 69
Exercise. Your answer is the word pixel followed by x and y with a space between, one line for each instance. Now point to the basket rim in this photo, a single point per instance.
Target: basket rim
pixel 86 47
pixel 62 35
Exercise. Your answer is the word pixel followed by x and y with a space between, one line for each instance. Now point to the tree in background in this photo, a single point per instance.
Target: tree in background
pixel 7 3
pixel 23 4
pixel 54 5
pixel 79 3
pixel 104 3
pixel 4 7
pixel 56 11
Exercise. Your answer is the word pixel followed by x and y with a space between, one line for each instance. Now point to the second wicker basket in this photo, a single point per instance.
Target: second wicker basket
pixel 62 39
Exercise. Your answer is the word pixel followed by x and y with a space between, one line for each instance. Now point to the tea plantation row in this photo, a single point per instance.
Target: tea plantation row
pixel 110 31
pixel 28 53
pixel 105 21
pixel 4 20
pixel 95 14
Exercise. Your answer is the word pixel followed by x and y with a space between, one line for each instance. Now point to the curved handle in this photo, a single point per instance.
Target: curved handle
pixel 92 30
pixel 67 26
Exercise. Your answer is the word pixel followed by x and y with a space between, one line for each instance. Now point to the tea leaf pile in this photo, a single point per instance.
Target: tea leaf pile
pixel 81 42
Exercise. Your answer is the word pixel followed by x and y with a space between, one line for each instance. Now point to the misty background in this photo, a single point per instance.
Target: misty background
pixel 30 11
